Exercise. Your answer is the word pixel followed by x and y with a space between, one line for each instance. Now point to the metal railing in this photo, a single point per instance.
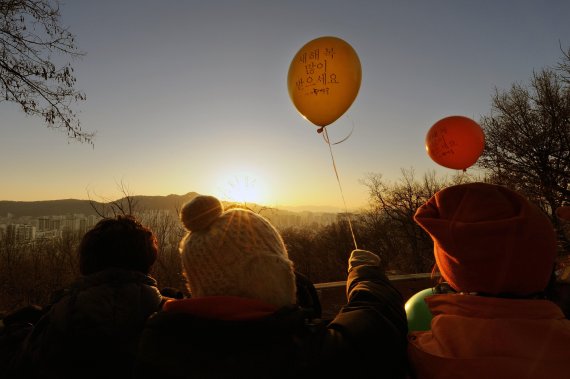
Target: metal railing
pixel 392 278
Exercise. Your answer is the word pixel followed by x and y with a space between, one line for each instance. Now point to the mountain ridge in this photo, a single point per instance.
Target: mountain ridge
pixel 88 207
pixel 171 202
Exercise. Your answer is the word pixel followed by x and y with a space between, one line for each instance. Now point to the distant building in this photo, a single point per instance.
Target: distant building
pixel 44 224
pixel 27 229
pixel 20 232
pixel 92 220
pixel 25 233
pixel 70 224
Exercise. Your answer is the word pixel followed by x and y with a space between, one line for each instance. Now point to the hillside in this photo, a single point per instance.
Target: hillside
pixel 171 202
pixel 86 207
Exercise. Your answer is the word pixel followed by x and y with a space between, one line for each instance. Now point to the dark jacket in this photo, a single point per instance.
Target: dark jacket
pixel 15 328
pixel 93 329
pixel 228 337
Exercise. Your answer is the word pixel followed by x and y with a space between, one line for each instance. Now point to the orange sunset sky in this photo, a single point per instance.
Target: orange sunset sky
pixel 192 95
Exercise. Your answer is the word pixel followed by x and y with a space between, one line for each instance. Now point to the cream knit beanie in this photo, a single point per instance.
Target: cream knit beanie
pixel 234 253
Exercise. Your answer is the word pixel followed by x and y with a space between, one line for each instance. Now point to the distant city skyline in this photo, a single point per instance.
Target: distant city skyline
pixel 26 228
pixel 192 96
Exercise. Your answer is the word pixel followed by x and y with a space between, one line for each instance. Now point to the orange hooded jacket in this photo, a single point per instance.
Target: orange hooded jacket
pixel 485 338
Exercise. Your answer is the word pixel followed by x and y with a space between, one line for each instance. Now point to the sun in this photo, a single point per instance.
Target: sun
pixel 243 189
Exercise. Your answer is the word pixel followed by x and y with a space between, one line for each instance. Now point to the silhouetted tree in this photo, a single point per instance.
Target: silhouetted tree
pixel 31 36
pixel 380 234
pixel 126 205
pixel 30 271
pixel 300 247
pixel 563 66
pixel 332 246
pixel 528 140
pixel 388 228
pixel 168 230
pixel 320 252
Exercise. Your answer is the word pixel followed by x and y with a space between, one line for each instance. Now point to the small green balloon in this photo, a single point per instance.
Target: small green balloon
pixel 417 311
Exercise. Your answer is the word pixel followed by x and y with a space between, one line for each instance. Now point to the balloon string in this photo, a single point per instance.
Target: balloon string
pixel 326 138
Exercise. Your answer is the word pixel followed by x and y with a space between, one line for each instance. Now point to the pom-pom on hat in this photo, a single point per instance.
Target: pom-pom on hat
pixel 234 253
pixel 199 213
pixel 489 239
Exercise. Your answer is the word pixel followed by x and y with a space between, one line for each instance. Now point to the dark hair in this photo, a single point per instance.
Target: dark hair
pixel 120 242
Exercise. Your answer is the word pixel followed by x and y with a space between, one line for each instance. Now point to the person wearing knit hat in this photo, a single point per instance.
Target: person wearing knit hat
pixel 244 318
pixel 234 253
pixel 496 250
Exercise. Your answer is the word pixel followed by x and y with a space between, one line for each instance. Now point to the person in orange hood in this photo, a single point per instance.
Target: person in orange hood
pixel 496 250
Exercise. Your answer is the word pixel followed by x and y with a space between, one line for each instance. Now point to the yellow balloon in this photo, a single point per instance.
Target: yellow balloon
pixel 324 79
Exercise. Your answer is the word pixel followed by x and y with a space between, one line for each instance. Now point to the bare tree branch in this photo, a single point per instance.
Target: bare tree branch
pixel 30 34
pixel 528 140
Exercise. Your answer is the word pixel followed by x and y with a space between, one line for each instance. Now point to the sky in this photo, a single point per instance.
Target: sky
pixel 192 95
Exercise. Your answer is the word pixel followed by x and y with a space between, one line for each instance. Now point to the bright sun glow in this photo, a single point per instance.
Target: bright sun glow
pixel 243 189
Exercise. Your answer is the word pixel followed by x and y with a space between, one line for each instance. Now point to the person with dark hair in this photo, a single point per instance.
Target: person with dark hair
pixel 251 316
pixel 496 251
pixel 92 329
pixel 120 243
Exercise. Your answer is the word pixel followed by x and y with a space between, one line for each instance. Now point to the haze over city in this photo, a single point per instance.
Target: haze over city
pixel 192 96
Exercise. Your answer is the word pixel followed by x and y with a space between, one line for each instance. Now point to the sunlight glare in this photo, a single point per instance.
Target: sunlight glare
pixel 243 189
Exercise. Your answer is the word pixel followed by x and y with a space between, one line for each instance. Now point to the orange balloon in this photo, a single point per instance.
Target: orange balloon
pixel 455 142
pixel 323 80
